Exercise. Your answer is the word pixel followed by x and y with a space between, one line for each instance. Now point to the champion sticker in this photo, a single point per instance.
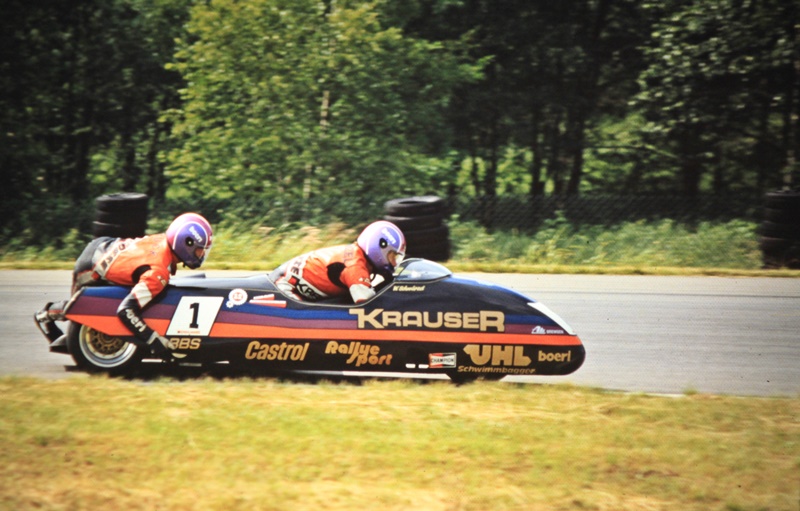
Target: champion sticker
pixel 439 360
pixel 236 297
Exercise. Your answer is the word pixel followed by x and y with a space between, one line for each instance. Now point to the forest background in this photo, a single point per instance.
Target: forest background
pixel 279 113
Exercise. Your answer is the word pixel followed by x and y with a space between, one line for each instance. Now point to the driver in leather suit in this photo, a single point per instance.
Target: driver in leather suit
pixel 146 264
pixel 337 271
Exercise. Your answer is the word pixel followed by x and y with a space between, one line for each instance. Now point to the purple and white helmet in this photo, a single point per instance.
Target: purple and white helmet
pixel 384 244
pixel 189 236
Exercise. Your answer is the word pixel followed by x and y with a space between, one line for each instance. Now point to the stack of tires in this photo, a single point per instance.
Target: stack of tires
pixel 780 230
pixel 422 221
pixel 120 215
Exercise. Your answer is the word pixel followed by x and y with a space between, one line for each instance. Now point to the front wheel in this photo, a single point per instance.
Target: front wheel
pixel 97 352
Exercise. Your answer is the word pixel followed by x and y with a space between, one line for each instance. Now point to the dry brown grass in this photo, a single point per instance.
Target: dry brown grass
pixel 92 443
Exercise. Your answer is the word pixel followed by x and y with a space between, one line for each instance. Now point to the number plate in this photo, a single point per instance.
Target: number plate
pixel 195 315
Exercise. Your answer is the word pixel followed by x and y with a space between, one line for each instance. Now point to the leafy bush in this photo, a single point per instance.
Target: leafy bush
pixel 661 243
pixel 664 243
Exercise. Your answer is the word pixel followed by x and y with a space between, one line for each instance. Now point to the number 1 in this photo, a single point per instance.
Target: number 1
pixel 195 313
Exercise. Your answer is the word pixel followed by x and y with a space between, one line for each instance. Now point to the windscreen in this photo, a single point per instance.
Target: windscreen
pixel 420 270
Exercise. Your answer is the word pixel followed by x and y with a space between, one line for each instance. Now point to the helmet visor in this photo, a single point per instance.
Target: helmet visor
pixel 394 258
pixel 200 253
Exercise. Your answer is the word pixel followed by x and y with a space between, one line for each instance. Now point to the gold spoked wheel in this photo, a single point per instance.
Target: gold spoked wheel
pixel 103 345
pixel 94 350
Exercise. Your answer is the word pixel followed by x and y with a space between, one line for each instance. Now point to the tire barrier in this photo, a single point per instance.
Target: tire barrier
pixel 779 232
pixel 120 215
pixel 422 221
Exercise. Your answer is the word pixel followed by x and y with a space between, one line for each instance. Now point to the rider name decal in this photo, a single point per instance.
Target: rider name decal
pixel 380 318
pixel 409 288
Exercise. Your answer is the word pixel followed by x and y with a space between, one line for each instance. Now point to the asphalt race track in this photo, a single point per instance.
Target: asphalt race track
pixel 666 335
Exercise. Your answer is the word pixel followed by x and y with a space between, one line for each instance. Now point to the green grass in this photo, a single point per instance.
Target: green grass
pixel 732 245
pixel 92 443
pixel 663 248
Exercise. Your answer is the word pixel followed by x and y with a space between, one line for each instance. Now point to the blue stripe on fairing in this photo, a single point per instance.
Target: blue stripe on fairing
pixel 530 320
pixel 312 313
pixel 107 291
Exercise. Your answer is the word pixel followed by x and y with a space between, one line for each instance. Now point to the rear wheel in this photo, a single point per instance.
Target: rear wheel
pixel 97 352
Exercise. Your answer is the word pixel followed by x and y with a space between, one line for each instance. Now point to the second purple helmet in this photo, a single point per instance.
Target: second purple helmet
pixel 384 244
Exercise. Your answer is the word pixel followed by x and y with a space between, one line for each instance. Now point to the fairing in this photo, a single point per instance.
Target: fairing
pixel 426 320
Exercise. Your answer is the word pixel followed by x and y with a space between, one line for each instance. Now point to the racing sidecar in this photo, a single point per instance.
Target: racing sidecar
pixel 426 320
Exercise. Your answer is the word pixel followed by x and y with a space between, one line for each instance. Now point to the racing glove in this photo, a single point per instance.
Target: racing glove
pixel 159 346
pixel 361 293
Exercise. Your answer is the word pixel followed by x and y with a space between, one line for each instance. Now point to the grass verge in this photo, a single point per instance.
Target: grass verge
pixel 90 443
pixel 631 248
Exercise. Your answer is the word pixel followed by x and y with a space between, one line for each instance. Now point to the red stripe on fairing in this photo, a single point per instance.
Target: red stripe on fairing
pixel 269 303
pixel 229 330
pixel 111 325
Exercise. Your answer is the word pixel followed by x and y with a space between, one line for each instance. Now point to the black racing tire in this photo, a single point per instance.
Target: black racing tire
pixel 96 352
pixel 776 230
pixel 128 230
pixel 433 244
pixel 119 217
pixel 125 202
pixel 414 206
pixel 415 223
pixel 793 257
pixel 774 246
pixel 781 216
pixel 787 200
pixel 437 252
pixel 438 256
pixel 427 236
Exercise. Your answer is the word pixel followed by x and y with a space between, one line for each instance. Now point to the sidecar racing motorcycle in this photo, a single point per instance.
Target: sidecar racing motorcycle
pixel 425 320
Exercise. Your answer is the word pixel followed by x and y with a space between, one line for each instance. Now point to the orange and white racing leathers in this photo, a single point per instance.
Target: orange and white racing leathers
pixel 145 263
pixel 327 272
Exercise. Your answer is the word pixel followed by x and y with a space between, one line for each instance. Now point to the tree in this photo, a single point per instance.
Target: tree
pixel 83 85
pixel 292 99
pixel 550 70
pixel 720 91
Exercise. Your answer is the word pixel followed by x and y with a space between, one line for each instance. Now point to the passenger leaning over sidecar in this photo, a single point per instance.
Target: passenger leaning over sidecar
pixel 146 264
pixel 335 271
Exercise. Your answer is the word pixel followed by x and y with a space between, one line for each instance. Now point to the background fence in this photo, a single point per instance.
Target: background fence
pixel 504 212
pixel 60 225
pixel 527 213
pixel 44 222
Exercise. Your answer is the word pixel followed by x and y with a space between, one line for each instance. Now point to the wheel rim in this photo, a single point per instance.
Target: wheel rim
pixel 104 351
